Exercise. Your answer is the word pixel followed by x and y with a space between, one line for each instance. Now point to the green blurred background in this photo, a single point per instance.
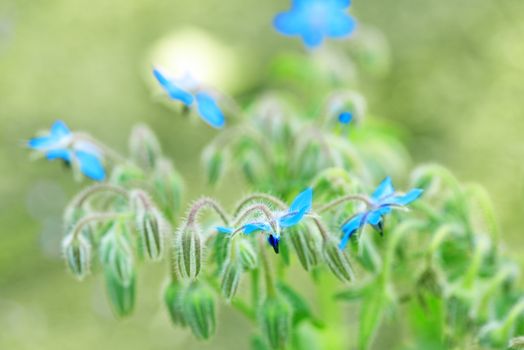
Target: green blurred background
pixel 455 85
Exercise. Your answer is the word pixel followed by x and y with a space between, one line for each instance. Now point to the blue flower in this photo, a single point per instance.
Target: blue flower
pixel 61 144
pixel 345 117
pixel 383 201
pixel 207 107
pixel 314 20
pixel 300 206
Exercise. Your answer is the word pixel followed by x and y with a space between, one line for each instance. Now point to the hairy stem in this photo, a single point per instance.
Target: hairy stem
pixel 259 196
pixel 352 197
pixel 270 285
pixel 204 203
pixel 85 194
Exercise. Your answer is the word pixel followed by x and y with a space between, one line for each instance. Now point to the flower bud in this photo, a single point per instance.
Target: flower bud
pixel 306 244
pixel 168 186
pixel 214 163
pixel 247 254
pixel 188 251
pixel 173 297
pixel 77 253
pixel 275 322
pixel 150 224
pixel 230 279
pixel 121 296
pixel 199 310
pixel 144 146
pixel 117 256
pixel 337 260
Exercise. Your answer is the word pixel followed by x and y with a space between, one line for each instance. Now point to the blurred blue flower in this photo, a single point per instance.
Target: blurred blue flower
pixel 60 144
pixel 300 206
pixel 345 117
pixel 314 20
pixel 207 107
pixel 383 200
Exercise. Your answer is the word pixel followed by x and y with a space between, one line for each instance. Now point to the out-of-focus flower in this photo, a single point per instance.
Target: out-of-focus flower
pixel 60 143
pixel 383 201
pixel 345 117
pixel 300 206
pixel 315 20
pixel 187 92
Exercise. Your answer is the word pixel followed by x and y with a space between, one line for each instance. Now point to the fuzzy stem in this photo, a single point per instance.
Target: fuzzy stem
pixel 84 195
pixel 206 203
pixel 259 196
pixel 343 200
pixel 94 217
pixel 260 208
pixel 321 227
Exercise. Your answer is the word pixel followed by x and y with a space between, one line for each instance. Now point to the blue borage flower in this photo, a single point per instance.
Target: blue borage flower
pixel 383 200
pixel 60 143
pixel 345 117
pixel 300 206
pixel 314 20
pixel 181 91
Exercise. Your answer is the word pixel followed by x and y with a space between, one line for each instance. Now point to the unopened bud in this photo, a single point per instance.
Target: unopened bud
pixel 307 246
pixel 150 224
pixel 247 254
pixel 117 256
pixel 188 251
pixel 275 322
pixel 144 146
pixel 199 310
pixel 230 279
pixel 77 253
pixel 337 260
pixel 174 297
pixel 121 296
pixel 214 163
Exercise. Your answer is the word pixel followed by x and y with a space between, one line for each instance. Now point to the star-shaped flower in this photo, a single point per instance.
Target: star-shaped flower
pixel 383 201
pixel 315 20
pixel 300 206
pixel 187 92
pixel 60 143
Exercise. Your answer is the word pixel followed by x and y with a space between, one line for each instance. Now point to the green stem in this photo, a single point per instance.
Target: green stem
pixel 206 203
pixel 270 285
pixel 259 196
pixel 344 199
pixel 85 194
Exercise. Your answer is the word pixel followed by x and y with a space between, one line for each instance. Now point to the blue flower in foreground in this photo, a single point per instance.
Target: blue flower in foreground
pixel 314 20
pixel 60 144
pixel 383 200
pixel 207 107
pixel 300 206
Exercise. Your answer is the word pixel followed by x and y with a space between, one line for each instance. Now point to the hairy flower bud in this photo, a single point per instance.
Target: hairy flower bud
pixel 214 163
pixel 306 244
pixel 247 254
pixel 144 146
pixel 168 186
pixel 337 260
pixel 173 298
pixel 150 224
pixel 77 253
pixel 230 279
pixel 275 322
pixel 199 310
pixel 188 252
pixel 117 256
pixel 121 296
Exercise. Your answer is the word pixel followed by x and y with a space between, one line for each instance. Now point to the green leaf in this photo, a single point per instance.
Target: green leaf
pixel 371 314
pixel 301 309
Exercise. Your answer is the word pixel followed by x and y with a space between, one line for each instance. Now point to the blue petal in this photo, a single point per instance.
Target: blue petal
pixel 41 142
pixel 172 90
pixel 288 23
pixel 407 198
pixel 342 4
pixel 292 218
pixel 340 26
pixel 209 110
pixel 345 117
pixel 59 129
pixel 304 200
pixel 375 216
pixel 225 230
pixel 312 37
pixel 350 227
pixel 383 190
pixel 90 165
pixel 256 226
pixel 60 153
